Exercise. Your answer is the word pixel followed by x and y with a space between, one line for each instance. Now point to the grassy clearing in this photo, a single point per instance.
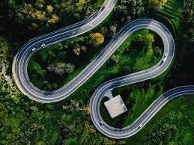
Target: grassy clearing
pixel 143 99
pixel 136 98
pixel 173 11
pixel 177 112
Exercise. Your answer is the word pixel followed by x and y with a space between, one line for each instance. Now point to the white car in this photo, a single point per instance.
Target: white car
pixel 101 122
pixel 140 126
pixel 164 58
pixel 42 45
pixel 33 49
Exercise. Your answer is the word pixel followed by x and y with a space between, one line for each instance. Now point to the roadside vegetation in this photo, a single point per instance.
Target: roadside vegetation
pixel 23 121
pixel 171 125
pixel 143 49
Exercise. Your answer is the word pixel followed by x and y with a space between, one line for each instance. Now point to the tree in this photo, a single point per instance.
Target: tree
pixel 58 68
pixel 69 68
pixel 158 4
pixel 113 29
pixel 115 58
pixel 49 8
pixel 54 19
pixel 97 38
pixel 149 38
pixel 77 51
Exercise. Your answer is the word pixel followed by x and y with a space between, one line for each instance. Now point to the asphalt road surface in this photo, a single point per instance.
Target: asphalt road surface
pixel 23 82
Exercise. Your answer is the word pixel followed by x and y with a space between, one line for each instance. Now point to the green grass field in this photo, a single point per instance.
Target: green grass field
pixel 173 11
pixel 138 59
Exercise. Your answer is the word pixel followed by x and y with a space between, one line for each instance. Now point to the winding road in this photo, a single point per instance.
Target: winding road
pixel 23 82
pixel 20 63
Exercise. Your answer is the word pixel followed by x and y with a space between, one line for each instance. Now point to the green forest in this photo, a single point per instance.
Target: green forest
pixel 24 121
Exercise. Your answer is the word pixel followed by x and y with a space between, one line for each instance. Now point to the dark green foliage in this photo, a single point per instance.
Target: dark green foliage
pixel 23 121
